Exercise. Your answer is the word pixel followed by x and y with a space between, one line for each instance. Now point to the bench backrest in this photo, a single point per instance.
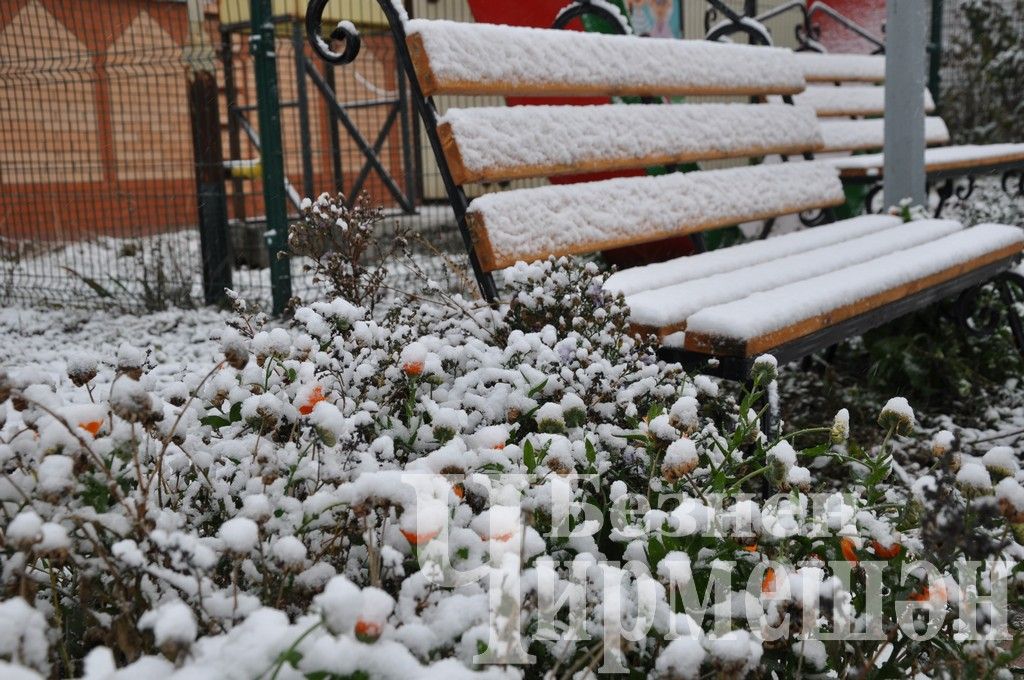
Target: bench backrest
pixel 493 144
pixel 848 93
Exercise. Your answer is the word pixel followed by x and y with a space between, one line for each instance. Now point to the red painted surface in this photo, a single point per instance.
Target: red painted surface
pixel 868 13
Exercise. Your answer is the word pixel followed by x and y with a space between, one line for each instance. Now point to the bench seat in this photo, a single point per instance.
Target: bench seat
pixel 665 310
pixel 772 318
pixel 976 157
pixel 691 267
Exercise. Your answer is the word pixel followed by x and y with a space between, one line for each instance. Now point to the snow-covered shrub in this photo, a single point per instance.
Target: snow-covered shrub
pixel 459 491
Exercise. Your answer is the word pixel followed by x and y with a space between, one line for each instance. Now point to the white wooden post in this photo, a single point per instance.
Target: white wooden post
pixel 905 69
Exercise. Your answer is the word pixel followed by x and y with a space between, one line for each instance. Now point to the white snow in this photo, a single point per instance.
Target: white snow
pixel 938 158
pixel 1001 460
pixel 528 224
pixel 171 622
pixel 713 262
pixel 550 139
pixel 869 133
pixel 681 659
pixel 900 409
pixel 672 305
pixel 1010 490
pixel 849 100
pixel 23 634
pixel 239 535
pixel 839 67
pixel 768 311
pixel 975 476
pixel 486 58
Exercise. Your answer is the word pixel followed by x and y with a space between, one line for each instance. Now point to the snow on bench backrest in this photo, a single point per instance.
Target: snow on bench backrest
pixel 530 224
pixel 869 133
pixel 491 144
pixel 849 100
pixel 834 68
pixel 486 59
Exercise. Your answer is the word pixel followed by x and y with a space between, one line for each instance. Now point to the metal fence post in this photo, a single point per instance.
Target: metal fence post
pixel 261 43
pixel 904 101
pixel 211 194
pixel 935 51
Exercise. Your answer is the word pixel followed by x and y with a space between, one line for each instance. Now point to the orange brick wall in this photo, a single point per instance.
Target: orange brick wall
pixel 94 124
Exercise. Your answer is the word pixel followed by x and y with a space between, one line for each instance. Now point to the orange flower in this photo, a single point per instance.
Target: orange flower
pixel 768 582
pixel 412 368
pixel 419 539
pixel 458 490
pixel 501 538
pixel 935 591
pixel 751 548
pixel 92 427
pixel 887 553
pixel 367 631
pixel 315 397
pixel 849 552
pixel 499 446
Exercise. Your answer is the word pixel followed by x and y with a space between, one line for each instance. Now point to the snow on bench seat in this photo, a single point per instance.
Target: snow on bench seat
pixel 486 59
pixel 712 262
pixel 869 133
pixel 962 157
pixel 665 310
pixel 768 319
pixel 849 100
pixel 530 224
pixel 867 68
pixel 490 144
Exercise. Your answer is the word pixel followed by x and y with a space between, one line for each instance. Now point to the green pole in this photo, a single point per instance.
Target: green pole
pixel 261 44
pixel 935 51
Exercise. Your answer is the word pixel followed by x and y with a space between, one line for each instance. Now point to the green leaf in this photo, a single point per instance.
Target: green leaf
pixel 537 389
pixel 215 421
pixel 591 451
pixel 96 494
pixel 235 414
pixel 529 456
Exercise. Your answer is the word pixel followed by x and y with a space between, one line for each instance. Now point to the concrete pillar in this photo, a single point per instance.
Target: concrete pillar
pixel 905 69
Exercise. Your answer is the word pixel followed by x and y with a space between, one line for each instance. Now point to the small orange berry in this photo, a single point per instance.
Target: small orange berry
pixel 92 427
pixel 315 397
pixel 419 539
pixel 768 582
pixel 367 631
pixel 458 490
pixel 849 551
pixel 887 553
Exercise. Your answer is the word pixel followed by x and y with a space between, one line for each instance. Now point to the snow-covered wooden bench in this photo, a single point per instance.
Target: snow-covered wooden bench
pixel 791 295
pixel 849 110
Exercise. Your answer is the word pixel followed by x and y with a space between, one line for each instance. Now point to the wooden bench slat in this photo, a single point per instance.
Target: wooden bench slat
pixel 869 133
pixel 491 144
pixel 963 157
pixel 662 311
pixel 759 322
pixel 749 254
pixel 485 59
pixel 849 100
pixel 530 224
pixel 833 68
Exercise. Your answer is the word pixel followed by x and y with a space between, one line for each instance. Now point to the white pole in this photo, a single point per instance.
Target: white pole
pixel 905 70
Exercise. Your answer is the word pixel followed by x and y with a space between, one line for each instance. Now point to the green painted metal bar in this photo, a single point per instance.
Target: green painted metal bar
pixel 261 44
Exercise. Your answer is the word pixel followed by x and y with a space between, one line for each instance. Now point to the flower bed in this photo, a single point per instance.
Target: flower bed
pixel 448 490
